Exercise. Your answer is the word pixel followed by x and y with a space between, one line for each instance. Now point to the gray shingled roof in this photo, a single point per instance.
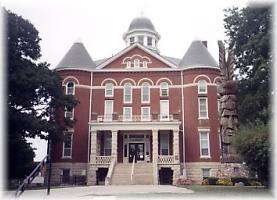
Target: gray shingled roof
pixel 141 23
pixel 175 61
pixel 197 55
pixel 78 57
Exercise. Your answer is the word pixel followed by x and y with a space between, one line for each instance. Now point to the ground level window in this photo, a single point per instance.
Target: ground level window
pixel 206 172
pixel 65 176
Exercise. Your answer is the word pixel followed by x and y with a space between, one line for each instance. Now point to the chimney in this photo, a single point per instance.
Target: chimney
pixel 205 43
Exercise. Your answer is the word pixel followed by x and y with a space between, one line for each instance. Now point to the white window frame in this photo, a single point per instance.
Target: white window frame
pixel 144 64
pixel 66 88
pixel 124 95
pixel 200 146
pixel 140 36
pixel 161 89
pixel 108 116
pixel 161 115
pixel 148 116
pixel 141 96
pixel 207 109
pixel 160 150
pixel 128 64
pixel 136 63
pixel 124 113
pixel 151 41
pixel 106 89
pixel 132 42
pixel 209 170
pixel 199 87
pixel 63 156
pixel 66 113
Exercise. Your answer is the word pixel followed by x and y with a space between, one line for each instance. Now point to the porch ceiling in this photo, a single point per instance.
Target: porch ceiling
pixel 134 126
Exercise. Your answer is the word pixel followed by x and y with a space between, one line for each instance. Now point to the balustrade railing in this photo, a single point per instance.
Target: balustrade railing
pixel 165 159
pixel 103 159
pixel 134 118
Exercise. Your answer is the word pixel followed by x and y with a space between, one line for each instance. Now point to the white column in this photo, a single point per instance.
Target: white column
pixel 176 150
pixel 93 146
pixel 114 144
pixel 155 155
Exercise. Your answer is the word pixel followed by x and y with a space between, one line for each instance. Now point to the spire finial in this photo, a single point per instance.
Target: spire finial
pixel 78 40
pixel 141 13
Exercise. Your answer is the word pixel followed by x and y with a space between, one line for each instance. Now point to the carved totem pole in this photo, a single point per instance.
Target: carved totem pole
pixel 227 108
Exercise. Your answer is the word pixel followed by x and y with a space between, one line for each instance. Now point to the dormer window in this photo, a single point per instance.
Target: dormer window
pixel 149 41
pixel 132 40
pixel 140 39
pixel 136 63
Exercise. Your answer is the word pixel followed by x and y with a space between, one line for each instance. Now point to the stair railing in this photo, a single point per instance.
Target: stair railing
pixel 132 171
pixel 30 178
pixel 110 172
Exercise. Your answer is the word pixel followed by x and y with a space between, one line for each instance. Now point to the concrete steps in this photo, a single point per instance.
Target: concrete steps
pixel 143 174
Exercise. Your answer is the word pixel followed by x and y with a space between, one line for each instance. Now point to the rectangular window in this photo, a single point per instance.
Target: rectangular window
pixel 145 94
pixel 204 144
pixel 140 39
pixel 206 172
pixel 128 93
pixel 145 113
pixel 109 90
pixel 149 41
pixel 132 40
pixel 65 174
pixel 69 113
pixel 164 144
pixel 203 108
pixel 67 145
pixel 127 113
pixel 108 112
pixel 164 110
pixel 107 144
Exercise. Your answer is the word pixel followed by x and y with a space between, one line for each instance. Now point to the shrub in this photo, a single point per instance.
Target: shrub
pixel 224 181
pixel 240 179
pixel 205 182
pixel 184 181
pixel 255 183
pixel 212 180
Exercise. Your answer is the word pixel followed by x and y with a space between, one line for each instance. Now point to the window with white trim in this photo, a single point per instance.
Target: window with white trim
pixel 69 112
pixel 132 40
pixel 206 172
pixel 149 41
pixel 70 88
pixel 145 114
pixel 140 39
pixel 204 144
pixel 128 64
pixel 164 89
pixel 67 145
pixel 108 110
pixel 127 113
pixel 145 93
pixel 164 144
pixel 144 64
pixel 203 108
pixel 136 63
pixel 109 90
pixel 164 110
pixel 202 87
pixel 107 144
pixel 127 93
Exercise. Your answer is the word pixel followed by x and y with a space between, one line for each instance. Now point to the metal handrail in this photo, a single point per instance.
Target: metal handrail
pixel 132 171
pixel 30 178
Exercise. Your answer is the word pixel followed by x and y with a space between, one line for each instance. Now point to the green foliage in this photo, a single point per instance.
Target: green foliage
pixel 249 32
pixel 34 94
pixel 224 181
pixel 212 180
pixel 252 143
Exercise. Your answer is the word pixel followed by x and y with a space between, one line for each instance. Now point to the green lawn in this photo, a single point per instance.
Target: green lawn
pixel 225 190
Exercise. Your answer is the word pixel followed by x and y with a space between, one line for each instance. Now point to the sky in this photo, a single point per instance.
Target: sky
pixel 101 24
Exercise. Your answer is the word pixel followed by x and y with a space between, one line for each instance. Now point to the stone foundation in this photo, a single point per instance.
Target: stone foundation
pixel 76 169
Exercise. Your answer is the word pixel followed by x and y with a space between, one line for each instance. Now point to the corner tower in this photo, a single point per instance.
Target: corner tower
pixel 142 30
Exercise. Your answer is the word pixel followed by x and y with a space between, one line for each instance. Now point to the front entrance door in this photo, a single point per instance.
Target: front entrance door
pixel 136 150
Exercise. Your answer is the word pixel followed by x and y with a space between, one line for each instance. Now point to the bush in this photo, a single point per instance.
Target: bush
pixel 255 183
pixel 224 181
pixel 184 181
pixel 240 179
pixel 205 182
pixel 212 180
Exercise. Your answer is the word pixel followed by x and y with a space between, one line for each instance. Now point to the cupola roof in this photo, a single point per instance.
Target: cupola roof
pixel 141 23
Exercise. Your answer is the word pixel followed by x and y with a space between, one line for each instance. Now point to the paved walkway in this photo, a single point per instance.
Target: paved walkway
pixel 107 192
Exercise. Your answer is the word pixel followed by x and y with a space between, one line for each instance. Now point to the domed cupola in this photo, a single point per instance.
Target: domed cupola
pixel 142 30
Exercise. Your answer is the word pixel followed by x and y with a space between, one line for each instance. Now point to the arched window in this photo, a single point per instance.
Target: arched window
pixel 109 90
pixel 70 88
pixel 136 63
pixel 127 93
pixel 164 89
pixel 145 93
pixel 128 64
pixel 202 87
pixel 144 64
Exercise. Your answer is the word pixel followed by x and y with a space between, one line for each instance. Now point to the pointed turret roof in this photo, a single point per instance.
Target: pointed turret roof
pixel 77 57
pixel 197 55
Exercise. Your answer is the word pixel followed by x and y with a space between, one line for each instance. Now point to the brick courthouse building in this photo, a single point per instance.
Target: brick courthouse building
pixel 140 105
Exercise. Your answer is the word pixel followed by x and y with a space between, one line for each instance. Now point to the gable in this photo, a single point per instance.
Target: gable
pixel 135 57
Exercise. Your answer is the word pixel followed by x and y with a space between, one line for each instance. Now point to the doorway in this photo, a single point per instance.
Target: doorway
pixel 136 150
